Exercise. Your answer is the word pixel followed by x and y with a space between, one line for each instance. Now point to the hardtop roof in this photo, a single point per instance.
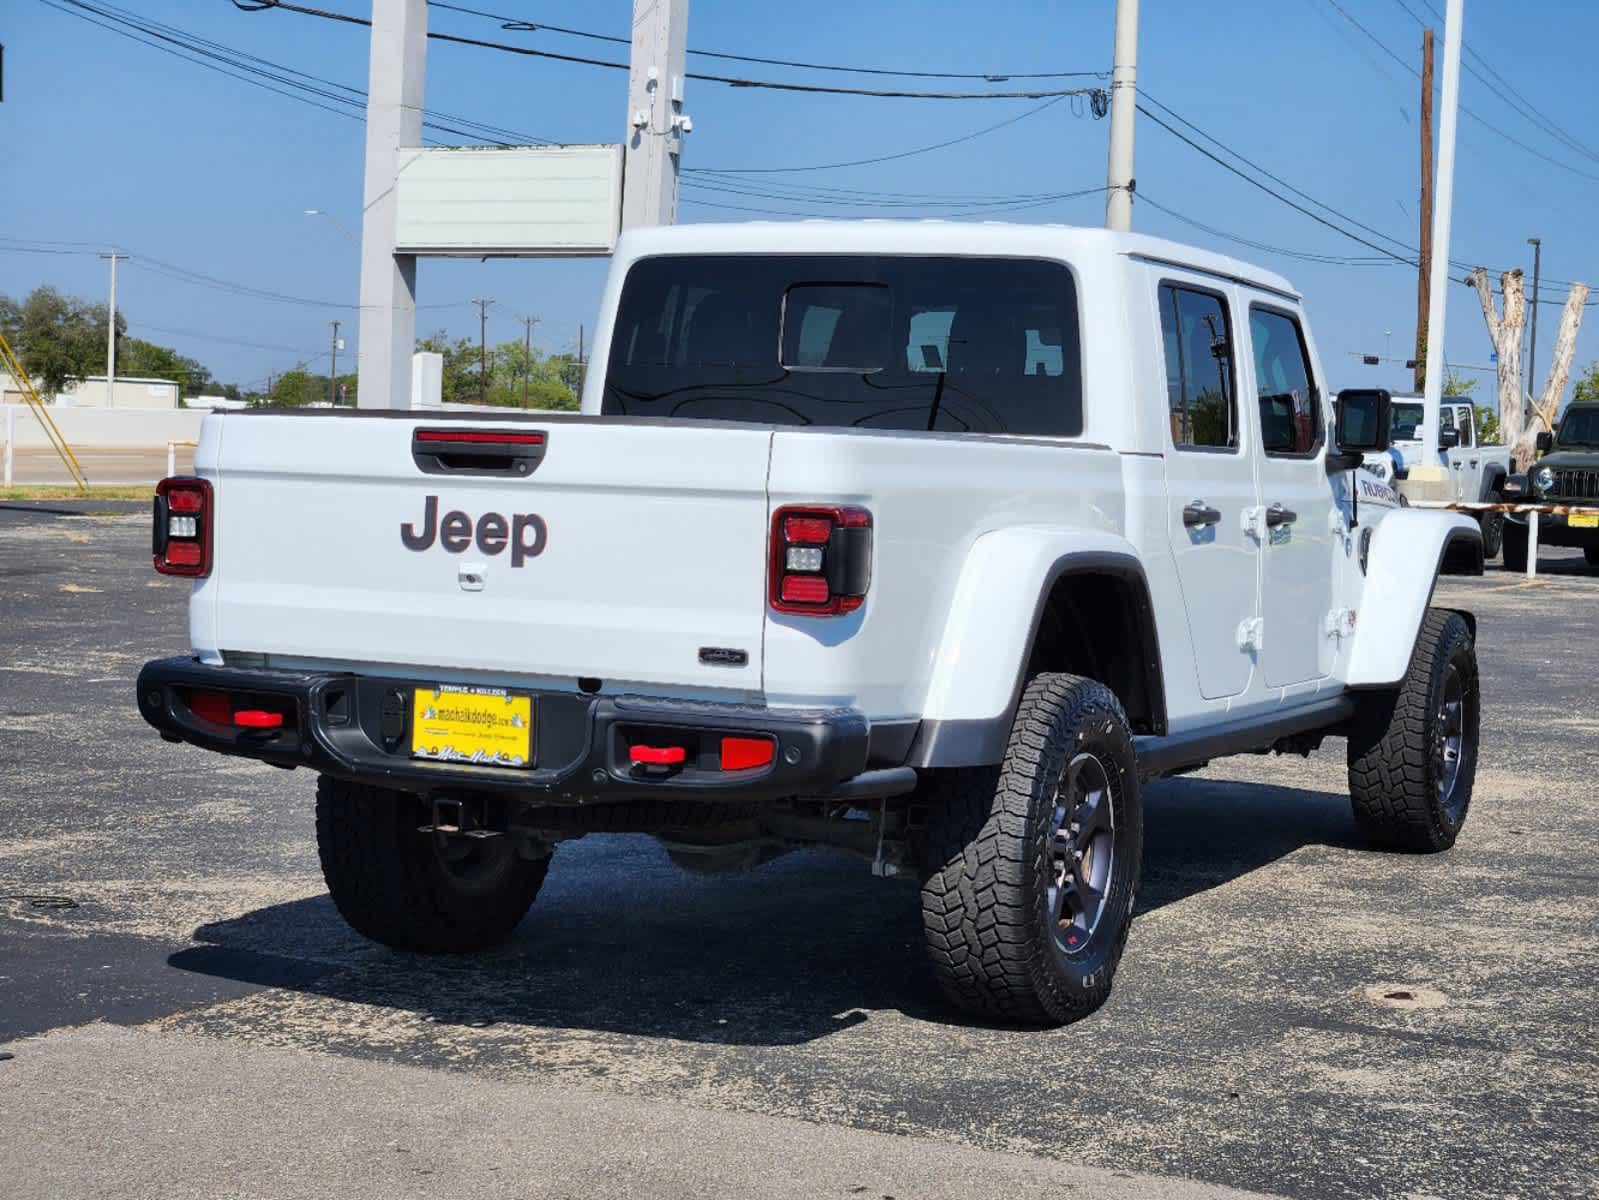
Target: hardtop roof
pixel 934 237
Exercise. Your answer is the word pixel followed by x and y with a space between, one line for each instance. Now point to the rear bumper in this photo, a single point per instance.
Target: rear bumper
pixel 357 727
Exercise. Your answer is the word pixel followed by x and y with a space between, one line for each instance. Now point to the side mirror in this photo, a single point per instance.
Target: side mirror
pixel 1448 439
pixel 1545 442
pixel 1363 420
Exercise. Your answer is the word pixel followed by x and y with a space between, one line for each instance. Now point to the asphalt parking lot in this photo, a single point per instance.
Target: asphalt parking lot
pixel 1296 1015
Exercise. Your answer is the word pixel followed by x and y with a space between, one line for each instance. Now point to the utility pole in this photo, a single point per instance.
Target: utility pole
pixel 111 335
pixel 1532 352
pixel 582 370
pixel 333 371
pixel 1424 272
pixel 1443 214
pixel 483 350
pixel 1119 181
pixel 656 121
pixel 393 125
pixel 527 364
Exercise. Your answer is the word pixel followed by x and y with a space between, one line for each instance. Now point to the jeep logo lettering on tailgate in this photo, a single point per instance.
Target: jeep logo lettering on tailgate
pixel 525 533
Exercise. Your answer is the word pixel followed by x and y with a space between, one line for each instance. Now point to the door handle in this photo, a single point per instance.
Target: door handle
pixel 1278 515
pixel 1197 513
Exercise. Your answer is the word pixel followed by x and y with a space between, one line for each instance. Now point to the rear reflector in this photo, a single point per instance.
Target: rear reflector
pixel 743 753
pixel 180 541
pixel 255 718
pixel 657 756
pixel 216 707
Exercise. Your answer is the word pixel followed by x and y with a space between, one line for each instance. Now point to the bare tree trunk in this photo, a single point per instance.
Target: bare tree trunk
pixel 1505 333
pixel 1547 407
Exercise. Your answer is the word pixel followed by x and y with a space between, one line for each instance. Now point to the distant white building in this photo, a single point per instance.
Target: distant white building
pixel 91 393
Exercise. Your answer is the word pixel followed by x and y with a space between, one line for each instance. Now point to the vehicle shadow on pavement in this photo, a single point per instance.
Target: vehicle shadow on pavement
pixel 621 941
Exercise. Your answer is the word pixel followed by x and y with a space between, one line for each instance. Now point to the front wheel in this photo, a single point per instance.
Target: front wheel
pixel 1030 870
pixel 413 890
pixel 1493 534
pixel 1413 753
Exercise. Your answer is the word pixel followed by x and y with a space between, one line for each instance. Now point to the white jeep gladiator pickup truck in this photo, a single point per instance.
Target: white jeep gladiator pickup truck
pixel 929 542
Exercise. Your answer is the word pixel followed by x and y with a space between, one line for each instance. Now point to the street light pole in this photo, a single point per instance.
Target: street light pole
pixel 1532 351
pixel 1443 212
pixel 344 229
pixel 111 335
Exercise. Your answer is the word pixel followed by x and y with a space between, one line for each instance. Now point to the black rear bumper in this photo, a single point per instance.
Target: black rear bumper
pixel 356 727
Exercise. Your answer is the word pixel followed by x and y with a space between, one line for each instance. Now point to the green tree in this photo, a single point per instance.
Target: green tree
pixel 1586 390
pixel 58 338
pixel 146 360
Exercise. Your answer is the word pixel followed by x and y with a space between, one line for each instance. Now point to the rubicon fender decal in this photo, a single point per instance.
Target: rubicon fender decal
pixel 525 534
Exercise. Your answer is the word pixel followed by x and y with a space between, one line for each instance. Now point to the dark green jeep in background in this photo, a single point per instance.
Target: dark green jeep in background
pixel 1567 474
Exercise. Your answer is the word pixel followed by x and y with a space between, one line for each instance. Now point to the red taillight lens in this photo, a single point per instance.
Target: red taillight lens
pixel 216 707
pixel 657 756
pixel 821 560
pixel 180 541
pixel 743 753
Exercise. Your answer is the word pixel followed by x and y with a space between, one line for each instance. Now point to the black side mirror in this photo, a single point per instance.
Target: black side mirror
pixel 1545 442
pixel 1448 439
pixel 1363 420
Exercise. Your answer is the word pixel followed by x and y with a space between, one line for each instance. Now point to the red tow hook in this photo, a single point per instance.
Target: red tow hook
pixel 657 756
pixel 256 718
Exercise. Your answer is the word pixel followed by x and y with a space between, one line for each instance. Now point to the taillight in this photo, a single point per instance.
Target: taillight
pixel 821 560
pixel 180 541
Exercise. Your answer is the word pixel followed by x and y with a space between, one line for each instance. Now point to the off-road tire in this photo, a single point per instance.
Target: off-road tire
pixel 1394 768
pixel 1513 548
pixel 1590 555
pixel 989 863
pixel 1493 534
pixel 397 886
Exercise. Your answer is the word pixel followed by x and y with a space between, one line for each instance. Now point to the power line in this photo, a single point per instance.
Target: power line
pixel 516 25
pixel 1484 122
pixel 730 81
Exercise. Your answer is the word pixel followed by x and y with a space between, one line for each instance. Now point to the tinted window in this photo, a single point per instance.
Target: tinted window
pixel 1290 409
pixel 1199 368
pixel 957 344
pixel 1406 422
pixel 1580 428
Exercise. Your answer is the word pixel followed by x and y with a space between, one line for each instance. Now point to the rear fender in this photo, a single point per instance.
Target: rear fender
pixel 1410 548
pixel 988 636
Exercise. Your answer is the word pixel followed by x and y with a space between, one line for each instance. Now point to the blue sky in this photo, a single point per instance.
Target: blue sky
pixel 109 141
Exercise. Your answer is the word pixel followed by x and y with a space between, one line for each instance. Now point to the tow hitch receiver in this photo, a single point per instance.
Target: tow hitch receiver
pixel 459 818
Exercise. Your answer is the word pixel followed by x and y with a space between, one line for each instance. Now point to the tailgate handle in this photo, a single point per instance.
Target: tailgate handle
pixel 512 452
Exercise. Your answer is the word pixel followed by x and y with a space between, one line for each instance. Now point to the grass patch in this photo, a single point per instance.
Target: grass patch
pixel 55 491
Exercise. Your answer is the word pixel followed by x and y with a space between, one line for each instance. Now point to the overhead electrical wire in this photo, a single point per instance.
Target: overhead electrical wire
pixel 1477 117
pixel 519 25
pixel 730 81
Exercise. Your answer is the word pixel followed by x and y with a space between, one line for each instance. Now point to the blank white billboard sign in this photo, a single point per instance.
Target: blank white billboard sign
pixel 526 201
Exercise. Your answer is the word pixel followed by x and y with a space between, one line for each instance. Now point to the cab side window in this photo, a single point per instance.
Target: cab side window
pixel 1200 393
pixel 1290 407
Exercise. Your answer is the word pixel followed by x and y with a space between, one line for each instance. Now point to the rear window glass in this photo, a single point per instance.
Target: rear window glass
pixel 952 344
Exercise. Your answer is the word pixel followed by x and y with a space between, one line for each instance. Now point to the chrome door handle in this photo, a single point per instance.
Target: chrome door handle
pixel 1278 515
pixel 1197 513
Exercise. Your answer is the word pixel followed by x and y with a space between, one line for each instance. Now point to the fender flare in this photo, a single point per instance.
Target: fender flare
pixel 979 669
pixel 1410 548
pixel 1492 477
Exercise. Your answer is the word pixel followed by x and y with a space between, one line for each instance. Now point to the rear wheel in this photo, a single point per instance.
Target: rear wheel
pixel 1413 752
pixel 1493 532
pixel 1031 869
pixel 1514 547
pixel 1590 555
pixel 418 891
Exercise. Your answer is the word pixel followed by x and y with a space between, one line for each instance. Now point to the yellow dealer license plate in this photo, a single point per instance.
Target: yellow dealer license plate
pixel 1583 520
pixel 483 726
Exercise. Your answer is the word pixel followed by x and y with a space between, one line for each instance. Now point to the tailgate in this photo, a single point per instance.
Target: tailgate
pixel 622 554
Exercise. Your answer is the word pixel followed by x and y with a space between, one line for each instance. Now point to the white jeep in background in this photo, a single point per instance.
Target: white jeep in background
pixel 929 542
pixel 1477 470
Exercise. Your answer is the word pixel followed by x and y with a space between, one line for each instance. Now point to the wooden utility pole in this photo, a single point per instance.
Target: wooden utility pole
pixel 1423 293
pixel 527 364
pixel 483 350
